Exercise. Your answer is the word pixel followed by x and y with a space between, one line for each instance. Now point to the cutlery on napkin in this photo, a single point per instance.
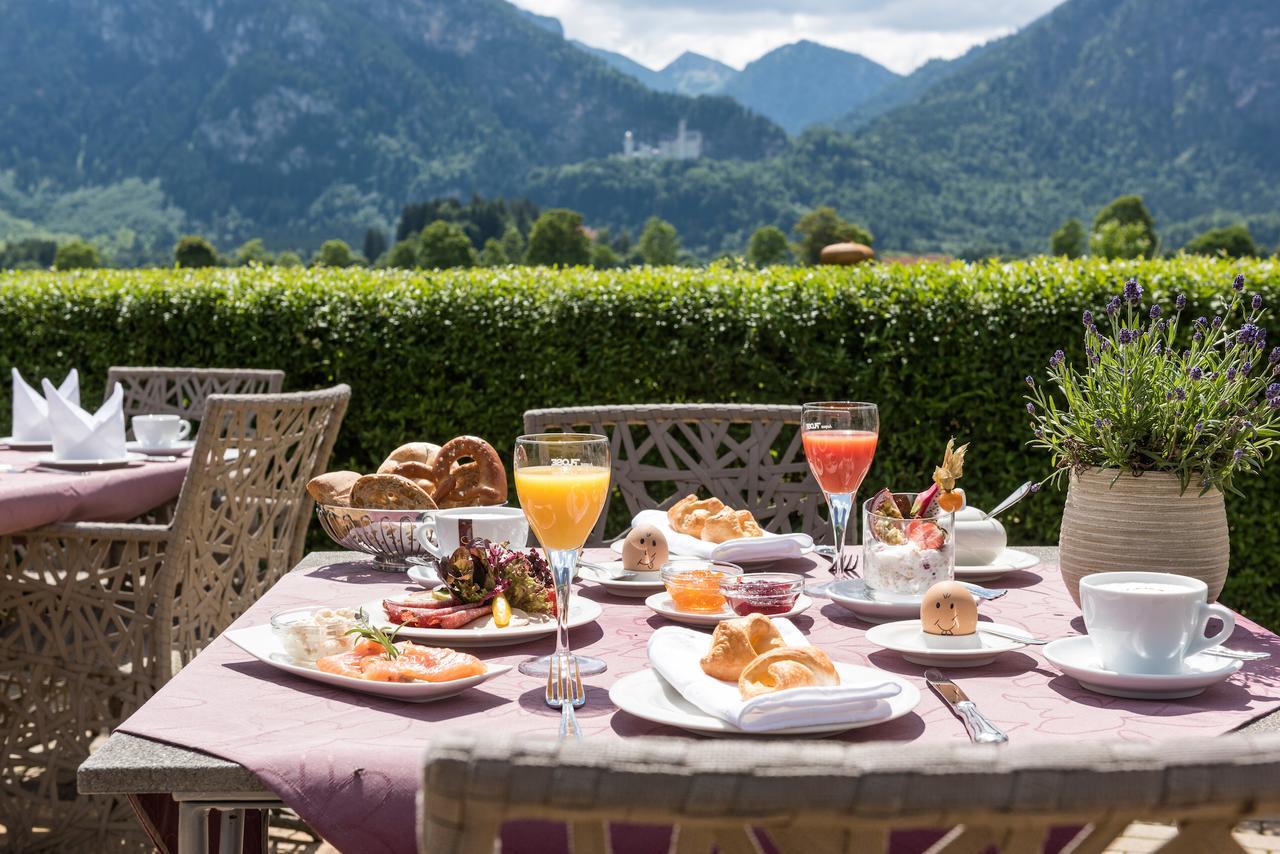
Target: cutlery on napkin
pixel 675 652
pixel 31 409
pixel 768 547
pixel 77 435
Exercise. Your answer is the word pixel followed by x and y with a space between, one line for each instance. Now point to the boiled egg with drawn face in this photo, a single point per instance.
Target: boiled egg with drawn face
pixel 948 609
pixel 645 549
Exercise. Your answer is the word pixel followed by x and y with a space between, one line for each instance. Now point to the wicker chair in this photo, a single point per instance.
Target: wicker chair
pixel 184 391
pixel 93 616
pixel 746 454
pixel 823 796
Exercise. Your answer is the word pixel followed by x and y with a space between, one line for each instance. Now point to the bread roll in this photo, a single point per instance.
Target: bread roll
pixel 389 492
pixel 730 525
pixel 688 515
pixel 786 667
pixel 736 642
pixel 333 488
pixel 410 452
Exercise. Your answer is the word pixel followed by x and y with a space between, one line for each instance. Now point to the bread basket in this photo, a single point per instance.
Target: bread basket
pixel 390 536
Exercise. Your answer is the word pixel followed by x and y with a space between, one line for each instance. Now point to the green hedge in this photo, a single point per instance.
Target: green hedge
pixel 942 348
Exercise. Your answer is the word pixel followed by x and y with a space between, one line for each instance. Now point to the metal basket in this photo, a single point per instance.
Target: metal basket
pixel 388 535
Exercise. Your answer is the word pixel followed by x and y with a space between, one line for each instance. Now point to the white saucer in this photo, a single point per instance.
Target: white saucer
pixel 661 604
pixel 907 638
pixel 642 584
pixel 18 445
pixel 648 696
pixel 50 461
pixel 1009 560
pixel 175 450
pixel 1076 658
pixel 852 594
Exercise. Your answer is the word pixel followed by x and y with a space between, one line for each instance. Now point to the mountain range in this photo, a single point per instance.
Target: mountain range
pixel 129 121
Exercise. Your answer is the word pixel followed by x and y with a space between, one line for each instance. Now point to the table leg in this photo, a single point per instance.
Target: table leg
pixel 193 828
pixel 231 832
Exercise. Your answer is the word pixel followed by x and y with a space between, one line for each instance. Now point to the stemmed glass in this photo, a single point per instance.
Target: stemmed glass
pixel 839 439
pixel 562 480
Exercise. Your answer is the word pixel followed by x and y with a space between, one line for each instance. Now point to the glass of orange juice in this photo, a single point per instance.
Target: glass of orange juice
pixel 562 480
pixel 839 439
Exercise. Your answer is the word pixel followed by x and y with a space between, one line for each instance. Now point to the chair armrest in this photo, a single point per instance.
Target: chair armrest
pixel 130 531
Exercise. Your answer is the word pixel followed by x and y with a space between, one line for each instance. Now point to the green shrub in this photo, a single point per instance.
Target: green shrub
pixel 193 251
pixel 1069 240
pixel 942 348
pixel 659 244
pixel 444 244
pixel 1232 241
pixel 334 253
pixel 1124 229
pixel 76 255
pixel 768 246
pixel 557 238
pixel 822 227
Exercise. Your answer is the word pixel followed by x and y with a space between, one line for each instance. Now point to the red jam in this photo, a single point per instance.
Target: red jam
pixel 758 596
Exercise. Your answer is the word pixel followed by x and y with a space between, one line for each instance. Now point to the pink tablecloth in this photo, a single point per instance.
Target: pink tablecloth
pixel 349 763
pixel 29 499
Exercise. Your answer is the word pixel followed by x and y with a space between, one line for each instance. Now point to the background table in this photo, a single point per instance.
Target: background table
pixel 32 498
pixel 130 765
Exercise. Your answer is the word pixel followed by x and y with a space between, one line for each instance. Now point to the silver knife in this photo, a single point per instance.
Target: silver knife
pixel 981 730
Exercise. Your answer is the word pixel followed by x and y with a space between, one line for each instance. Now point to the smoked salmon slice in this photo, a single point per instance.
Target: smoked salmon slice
pixel 368 660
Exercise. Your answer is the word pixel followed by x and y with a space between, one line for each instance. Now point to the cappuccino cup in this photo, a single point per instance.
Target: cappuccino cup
pixel 1149 622
pixel 449 528
pixel 160 431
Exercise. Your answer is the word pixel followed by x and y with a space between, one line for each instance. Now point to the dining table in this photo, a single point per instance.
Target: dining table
pixel 230 733
pixel 34 494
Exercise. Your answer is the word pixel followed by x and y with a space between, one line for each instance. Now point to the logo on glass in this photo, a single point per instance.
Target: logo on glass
pixel 558 461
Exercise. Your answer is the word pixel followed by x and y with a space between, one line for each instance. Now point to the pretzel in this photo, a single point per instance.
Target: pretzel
pixel 482 481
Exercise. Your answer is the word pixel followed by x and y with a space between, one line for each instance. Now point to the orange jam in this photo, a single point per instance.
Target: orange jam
pixel 697 590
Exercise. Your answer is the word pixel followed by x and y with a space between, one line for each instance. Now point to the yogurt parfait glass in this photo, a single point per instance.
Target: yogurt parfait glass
pixel 906 556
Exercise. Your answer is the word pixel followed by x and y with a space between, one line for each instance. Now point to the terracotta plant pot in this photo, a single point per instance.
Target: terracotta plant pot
pixel 1142 523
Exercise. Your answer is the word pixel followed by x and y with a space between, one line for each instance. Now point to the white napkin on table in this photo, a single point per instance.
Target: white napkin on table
pixel 31 411
pixel 750 549
pixel 675 652
pixel 77 435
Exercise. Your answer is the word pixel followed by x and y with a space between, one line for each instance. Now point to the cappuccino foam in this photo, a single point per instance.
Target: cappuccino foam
pixel 1149 587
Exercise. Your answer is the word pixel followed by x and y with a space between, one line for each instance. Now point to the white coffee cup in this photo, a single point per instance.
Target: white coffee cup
pixel 1149 622
pixel 160 431
pixel 441 537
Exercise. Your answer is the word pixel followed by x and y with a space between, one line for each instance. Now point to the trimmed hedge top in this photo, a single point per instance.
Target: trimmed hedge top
pixel 942 349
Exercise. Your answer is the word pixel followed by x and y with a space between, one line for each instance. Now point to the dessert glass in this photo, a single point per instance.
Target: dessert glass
pixel 905 557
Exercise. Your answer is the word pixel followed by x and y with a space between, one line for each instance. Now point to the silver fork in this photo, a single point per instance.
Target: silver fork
pixel 564 689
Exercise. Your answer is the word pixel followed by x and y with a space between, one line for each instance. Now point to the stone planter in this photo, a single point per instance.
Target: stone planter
pixel 1142 523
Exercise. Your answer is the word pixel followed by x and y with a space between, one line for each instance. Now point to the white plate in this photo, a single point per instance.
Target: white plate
pixel 50 461
pixel 17 445
pixel 908 639
pixel 1076 657
pixel 581 612
pixel 852 594
pixel 262 644
pixel 642 584
pixel 661 604
pixel 175 450
pixel 745 551
pixel 1009 560
pixel 647 695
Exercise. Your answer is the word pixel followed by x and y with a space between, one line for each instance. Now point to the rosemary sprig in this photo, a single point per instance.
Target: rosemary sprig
pixel 368 631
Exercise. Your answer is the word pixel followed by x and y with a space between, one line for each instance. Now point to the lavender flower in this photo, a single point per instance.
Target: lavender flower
pixel 1030 381
pixel 1247 367
pixel 1200 322
pixel 1087 317
pixel 1154 312
pixel 1273 391
pixel 1238 284
pixel 1199 426
pixel 1198 337
pixel 1231 373
pixel 1275 355
pixel 1031 408
pixel 1217 321
pixel 1180 392
pixel 1196 373
pixel 1237 454
pixel 1159 347
pixel 1181 302
pixel 1114 305
pixel 1056 358
pixel 1256 302
pixel 1132 292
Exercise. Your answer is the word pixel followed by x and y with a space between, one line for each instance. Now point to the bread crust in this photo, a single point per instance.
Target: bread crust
pixel 333 489
pixel 735 643
pixel 389 492
pixel 784 668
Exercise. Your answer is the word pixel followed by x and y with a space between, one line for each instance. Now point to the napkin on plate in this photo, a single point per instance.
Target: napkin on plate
pixel 31 411
pixel 748 549
pixel 674 651
pixel 77 435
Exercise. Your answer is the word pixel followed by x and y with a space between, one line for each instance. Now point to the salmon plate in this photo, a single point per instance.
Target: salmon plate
pixel 373 661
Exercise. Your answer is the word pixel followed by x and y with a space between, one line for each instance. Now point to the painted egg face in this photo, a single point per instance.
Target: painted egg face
pixel 948 609
pixel 644 550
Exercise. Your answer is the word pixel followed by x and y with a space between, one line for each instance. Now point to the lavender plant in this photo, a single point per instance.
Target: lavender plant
pixel 1200 401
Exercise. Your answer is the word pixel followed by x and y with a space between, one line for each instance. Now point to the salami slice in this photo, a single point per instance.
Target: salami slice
pixel 458 619
pixel 428 618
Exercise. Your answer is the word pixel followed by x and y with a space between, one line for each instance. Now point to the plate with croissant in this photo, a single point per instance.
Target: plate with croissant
pixel 709 528
pixel 760 676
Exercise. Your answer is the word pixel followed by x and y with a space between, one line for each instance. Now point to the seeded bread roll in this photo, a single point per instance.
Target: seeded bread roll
pixel 389 492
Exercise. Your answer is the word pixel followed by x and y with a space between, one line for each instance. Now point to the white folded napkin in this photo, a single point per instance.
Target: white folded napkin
pixel 77 435
pixel 31 411
pixel 675 652
pixel 750 549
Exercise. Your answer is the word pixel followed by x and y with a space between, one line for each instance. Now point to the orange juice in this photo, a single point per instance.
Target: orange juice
pixel 562 503
pixel 839 458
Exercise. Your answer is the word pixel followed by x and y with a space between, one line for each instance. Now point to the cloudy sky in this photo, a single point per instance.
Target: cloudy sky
pixel 900 34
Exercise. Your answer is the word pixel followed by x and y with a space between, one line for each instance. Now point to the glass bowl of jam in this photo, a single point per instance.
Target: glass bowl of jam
pixel 762 592
pixel 694 583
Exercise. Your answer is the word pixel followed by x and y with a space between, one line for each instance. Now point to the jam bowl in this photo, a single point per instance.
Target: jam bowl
pixel 694 583
pixel 762 592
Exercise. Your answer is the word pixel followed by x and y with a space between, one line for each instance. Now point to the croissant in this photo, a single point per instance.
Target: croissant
pixel 736 642
pixel 688 515
pixel 730 525
pixel 787 667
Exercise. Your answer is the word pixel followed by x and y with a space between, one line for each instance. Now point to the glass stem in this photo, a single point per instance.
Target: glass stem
pixel 840 504
pixel 563 563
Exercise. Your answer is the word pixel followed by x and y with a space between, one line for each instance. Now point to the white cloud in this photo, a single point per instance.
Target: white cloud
pixel 901 34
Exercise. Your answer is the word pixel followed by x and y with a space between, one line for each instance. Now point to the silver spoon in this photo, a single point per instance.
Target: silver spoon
pixel 1014 497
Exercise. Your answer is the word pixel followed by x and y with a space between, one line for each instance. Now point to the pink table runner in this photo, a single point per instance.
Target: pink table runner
pixel 29 499
pixel 349 763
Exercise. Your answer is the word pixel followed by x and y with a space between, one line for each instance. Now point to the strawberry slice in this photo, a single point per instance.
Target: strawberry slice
pixel 925 534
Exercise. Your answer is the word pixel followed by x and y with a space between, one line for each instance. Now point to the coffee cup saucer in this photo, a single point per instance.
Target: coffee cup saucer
pixel 1076 657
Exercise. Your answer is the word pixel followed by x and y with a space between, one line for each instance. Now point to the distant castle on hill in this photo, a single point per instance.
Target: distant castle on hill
pixel 687 145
